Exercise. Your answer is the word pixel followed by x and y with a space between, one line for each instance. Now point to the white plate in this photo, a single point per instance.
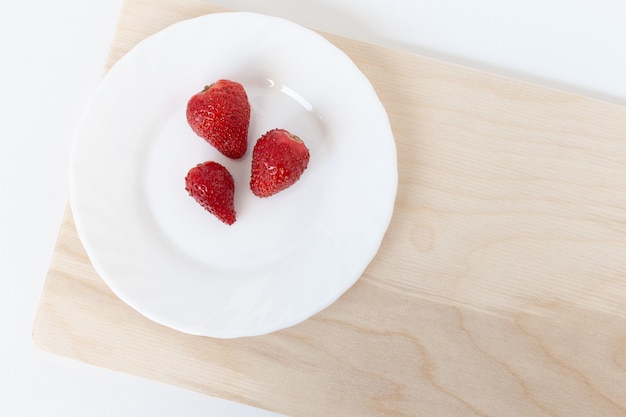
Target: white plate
pixel 287 256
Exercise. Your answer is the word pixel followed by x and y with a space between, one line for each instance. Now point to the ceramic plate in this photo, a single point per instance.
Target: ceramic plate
pixel 287 256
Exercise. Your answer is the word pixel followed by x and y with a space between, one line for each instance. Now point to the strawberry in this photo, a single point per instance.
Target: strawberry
pixel 278 160
pixel 220 114
pixel 212 186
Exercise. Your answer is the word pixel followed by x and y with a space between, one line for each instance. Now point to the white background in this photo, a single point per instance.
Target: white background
pixel 51 58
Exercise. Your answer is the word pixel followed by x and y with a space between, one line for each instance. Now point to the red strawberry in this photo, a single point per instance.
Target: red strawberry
pixel 212 186
pixel 221 115
pixel 278 160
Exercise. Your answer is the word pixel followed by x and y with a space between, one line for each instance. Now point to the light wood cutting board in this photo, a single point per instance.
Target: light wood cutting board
pixel 499 289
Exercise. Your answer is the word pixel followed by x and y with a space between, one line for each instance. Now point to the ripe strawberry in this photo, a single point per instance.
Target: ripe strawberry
pixel 278 160
pixel 221 115
pixel 212 186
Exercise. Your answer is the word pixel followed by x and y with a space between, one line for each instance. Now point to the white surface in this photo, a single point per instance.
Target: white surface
pixel 52 56
pixel 286 257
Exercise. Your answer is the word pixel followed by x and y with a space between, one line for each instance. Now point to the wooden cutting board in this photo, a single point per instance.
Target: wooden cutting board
pixel 499 289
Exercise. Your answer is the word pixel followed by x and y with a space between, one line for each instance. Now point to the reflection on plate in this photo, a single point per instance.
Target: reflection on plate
pixel 287 256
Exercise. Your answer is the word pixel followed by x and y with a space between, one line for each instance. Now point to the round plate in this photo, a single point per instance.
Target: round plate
pixel 287 256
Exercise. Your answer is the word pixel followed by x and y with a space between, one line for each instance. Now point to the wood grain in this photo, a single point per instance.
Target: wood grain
pixel 499 289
